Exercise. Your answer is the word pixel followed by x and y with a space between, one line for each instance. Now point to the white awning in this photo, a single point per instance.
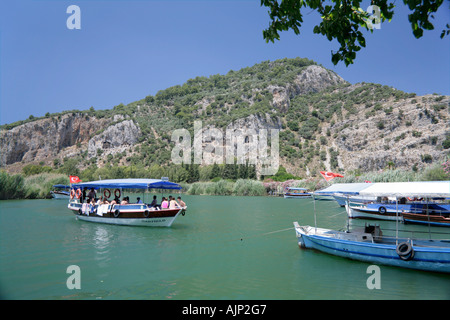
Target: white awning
pixel 429 189
pixel 345 188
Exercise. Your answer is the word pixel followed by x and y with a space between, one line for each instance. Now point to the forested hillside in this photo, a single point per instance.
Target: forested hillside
pixel 325 123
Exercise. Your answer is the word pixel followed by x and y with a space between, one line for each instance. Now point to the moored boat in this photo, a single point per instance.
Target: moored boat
pixel 430 219
pixel 131 214
pixel 340 192
pixel 398 210
pixel 378 211
pixel 298 193
pixel 342 199
pixel 370 245
pixel 60 191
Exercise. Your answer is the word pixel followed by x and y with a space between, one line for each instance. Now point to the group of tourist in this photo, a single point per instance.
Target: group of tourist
pixel 166 203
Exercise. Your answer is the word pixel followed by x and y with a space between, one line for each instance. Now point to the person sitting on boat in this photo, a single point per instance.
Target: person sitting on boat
pixel 154 204
pixel 139 200
pixel 100 201
pixel 91 205
pixel 164 203
pixel 172 203
pixel 115 201
pixel 125 200
pixel 181 202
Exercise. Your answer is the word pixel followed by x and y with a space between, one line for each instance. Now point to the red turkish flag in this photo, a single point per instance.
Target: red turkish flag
pixel 330 175
pixel 74 179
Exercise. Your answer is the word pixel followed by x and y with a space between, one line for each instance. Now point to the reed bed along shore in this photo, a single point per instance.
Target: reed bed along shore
pixel 32 187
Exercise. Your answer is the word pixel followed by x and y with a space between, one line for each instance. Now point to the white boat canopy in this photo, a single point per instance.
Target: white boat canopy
pixel 428 189
pixel 129 184
pixel 345 188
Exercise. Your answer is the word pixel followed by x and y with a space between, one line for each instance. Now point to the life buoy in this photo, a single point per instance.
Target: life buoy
pixel 116 213
pixel 405 251
pixel 78 193
pixel 115 193
pixel 146 213
pixel 72 193
pixel 106 191
pixel 382 210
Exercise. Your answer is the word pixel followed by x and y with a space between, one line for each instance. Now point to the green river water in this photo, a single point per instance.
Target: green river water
pixel 224 248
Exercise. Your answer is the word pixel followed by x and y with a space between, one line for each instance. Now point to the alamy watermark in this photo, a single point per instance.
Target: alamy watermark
pixel 374 20
pixel 374 280
pixel 74 280
pixel 236 146
pixel 74 20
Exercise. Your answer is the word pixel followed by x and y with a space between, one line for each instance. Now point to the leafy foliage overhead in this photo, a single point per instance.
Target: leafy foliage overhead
pixel 342 19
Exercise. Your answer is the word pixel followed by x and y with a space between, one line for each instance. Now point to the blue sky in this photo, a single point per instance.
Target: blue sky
pixel 126 50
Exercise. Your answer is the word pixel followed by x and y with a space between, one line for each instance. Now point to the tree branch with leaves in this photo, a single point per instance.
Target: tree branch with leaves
pixel 343 20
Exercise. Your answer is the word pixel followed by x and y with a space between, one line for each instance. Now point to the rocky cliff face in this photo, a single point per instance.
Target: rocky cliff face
pixel 402 134
pixel 312 79
pixel 46 138
pixel 115 138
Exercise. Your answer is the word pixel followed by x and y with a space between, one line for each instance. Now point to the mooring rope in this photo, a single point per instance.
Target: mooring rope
pixel 262 234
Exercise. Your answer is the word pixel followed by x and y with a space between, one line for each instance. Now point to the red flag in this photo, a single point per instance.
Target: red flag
pixel 330 175
pixel 74 179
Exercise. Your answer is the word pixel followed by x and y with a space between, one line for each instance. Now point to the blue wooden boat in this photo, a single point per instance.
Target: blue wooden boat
pixel 370 245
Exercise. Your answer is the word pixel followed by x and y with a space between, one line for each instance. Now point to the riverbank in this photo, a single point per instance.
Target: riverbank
pixel 38 186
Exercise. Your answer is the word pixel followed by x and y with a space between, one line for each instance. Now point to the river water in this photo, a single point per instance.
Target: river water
pixel 226 248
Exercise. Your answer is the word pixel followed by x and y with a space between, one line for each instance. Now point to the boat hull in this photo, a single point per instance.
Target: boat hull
pixel 143 222
pixel 432 220
pixel 434 258
pixel 299 196
pixel 363 212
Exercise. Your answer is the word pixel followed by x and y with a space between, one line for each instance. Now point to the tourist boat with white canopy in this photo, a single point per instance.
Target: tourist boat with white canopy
pixel 369 244
pixel 131 214
pixel 341 192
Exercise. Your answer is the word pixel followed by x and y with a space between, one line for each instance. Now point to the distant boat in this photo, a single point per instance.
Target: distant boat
pixel 60 191
pixel 298 193
pixel 370 245
pixel 132 214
